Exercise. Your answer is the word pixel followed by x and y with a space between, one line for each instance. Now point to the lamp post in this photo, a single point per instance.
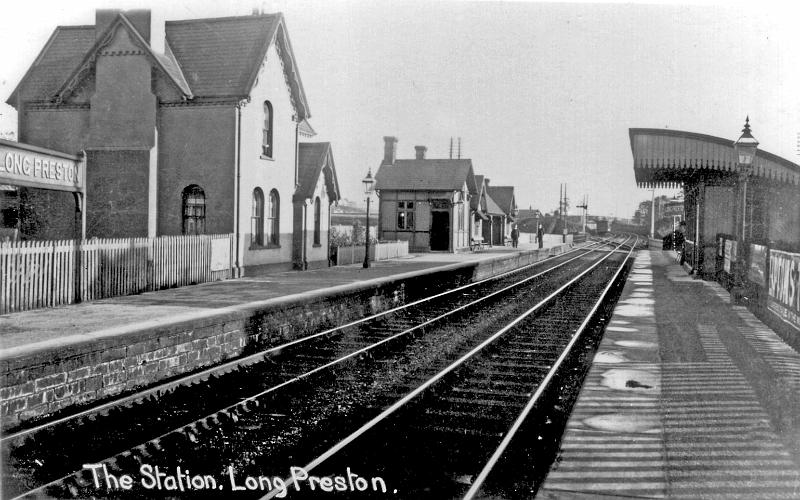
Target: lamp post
pixel 653 213
pixel 368 181
pixel 745 148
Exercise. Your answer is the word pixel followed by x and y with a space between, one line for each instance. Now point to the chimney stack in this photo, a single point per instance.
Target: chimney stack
pixel 486 181
pixel 389 149
pixel 421 150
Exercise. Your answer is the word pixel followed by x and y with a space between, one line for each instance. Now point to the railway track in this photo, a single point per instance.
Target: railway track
pixel 452 433
pixel 258 394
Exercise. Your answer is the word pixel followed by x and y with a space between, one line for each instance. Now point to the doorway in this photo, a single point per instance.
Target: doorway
pixel 440 231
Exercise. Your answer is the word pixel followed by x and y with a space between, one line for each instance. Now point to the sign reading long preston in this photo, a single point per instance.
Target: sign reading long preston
pixel 784 286
pixel 26 165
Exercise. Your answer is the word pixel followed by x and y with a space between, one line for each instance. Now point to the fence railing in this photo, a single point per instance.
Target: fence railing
pixel 50 273
pixel 380 251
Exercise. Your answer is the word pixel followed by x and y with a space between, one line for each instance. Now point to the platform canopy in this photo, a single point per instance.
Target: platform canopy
pixel 667 158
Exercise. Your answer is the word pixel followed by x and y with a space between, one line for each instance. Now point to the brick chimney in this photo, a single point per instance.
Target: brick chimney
pixel 389 150
pixel 420 152
pixel 122 112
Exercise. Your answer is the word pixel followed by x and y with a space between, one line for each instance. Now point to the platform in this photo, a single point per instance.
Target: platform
pixel 52 359
pixel 689 396
pixel 66 324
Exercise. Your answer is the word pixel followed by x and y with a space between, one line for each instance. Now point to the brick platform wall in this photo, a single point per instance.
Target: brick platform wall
pixel 39 385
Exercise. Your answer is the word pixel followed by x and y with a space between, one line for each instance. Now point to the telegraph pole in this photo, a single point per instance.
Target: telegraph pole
pixel 584 206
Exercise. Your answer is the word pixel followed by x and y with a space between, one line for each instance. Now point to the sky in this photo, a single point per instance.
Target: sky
pixel 540 93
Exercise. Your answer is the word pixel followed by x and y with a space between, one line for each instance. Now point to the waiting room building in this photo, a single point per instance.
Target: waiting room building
pixel 425 201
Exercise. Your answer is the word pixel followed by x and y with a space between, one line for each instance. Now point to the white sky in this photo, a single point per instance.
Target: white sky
pixel 540 93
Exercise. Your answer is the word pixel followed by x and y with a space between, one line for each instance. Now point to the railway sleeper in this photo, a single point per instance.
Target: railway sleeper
pixel 511 395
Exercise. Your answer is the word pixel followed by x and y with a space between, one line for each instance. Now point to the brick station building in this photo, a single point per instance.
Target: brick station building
pixel 197 133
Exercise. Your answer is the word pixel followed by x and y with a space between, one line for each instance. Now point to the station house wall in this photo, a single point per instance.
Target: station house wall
pixel 276 173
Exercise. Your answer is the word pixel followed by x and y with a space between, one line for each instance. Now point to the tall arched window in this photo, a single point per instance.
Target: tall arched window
pixel 194 210
pixel 317 217
pixel 257 217
pixel 274 218
pixel 266 146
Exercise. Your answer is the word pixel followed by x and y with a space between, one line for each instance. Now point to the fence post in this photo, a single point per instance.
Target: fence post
pixel 76 244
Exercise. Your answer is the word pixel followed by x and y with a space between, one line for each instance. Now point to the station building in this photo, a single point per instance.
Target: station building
pixel 742 213
pixel 425 201
pixel 503 196
pixel 197 133
pixel 490 218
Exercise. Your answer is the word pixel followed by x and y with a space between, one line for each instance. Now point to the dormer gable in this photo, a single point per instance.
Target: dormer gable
pixel 116 36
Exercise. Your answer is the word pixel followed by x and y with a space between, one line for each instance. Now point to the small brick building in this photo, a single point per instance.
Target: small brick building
pixel 198 133
pixel 425 201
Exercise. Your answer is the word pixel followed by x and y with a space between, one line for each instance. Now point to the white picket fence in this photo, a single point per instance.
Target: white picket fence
pixel 50 273
pixel 381 251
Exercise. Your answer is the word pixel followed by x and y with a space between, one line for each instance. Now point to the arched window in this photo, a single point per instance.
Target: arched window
pixel 274 218
pixel 194 210
pixel 257 217
pixel 317 217
pixel 266 146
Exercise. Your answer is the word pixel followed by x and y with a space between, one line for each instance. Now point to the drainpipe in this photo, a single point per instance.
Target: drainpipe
pixel 237 193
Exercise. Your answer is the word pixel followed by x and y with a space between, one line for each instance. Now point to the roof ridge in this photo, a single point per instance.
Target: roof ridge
pixel 224 18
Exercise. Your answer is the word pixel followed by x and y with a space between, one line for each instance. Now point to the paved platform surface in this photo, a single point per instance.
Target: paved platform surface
pixel 26 328
pixel 687 398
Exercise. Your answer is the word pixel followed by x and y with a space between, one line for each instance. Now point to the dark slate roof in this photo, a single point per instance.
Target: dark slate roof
pixel 312 157
pixel 221 56
pixel 61 54
pixel 426 175
pixel 206 58
pixel 503 196
pixel 491 206
pixel 475 201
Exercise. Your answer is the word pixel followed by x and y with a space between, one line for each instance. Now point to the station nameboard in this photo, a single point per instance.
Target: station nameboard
pixel 26 165
pixel 784 286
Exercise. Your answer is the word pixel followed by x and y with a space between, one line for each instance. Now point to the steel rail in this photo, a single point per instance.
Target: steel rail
pixel 259 356
pixel 543 385
pixel 191 427
pixel 425 385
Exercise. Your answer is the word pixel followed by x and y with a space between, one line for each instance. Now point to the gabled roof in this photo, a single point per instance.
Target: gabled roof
pixel 475 201
pixel 60 55
pixel 204 58
pixel 426 175
pixel 221 57
pixel 503 196
pixel 165 63
pixel 314 158
pixel 492 208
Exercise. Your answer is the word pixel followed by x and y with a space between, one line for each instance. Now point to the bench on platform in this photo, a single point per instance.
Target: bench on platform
pixel 476 244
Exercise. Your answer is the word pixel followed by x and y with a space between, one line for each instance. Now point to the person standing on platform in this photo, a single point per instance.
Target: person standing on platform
pixel 680 237
pixel 515 236
pixel 540 235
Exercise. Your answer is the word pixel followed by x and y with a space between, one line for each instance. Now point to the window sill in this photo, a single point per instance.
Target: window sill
pixel 268 158
pixel 263 247
pixel 316 245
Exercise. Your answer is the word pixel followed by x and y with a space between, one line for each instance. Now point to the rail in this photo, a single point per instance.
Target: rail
pixel 402 402
pixel 490 464
pixel 246 403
